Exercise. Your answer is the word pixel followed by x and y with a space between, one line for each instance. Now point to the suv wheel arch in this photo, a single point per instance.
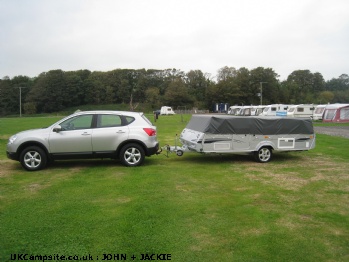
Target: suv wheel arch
pixel 33 158
pixel 132 154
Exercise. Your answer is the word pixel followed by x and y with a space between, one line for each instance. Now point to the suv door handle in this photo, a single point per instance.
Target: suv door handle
pixel 120 132
pixel 85 134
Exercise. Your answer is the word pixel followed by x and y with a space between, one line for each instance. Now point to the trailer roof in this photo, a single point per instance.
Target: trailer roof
pixel 225 124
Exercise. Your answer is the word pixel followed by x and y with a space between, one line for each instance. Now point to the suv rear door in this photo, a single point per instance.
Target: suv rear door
pixel 110 131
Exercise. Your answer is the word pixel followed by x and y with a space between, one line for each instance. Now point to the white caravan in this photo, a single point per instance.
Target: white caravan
pixel 166 110
pixel 246 111
pixel 301 111
pixel 318 112
pixel 259 110
pixel 234 110
pixel 275 110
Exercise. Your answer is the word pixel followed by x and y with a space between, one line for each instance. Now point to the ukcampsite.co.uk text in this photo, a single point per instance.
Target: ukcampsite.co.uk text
pixel 103 257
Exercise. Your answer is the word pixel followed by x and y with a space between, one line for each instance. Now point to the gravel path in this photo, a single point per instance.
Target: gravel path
pixel 342 131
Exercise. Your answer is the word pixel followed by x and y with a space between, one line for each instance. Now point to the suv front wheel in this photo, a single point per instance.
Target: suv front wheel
pixel 132 155
pixel 33 158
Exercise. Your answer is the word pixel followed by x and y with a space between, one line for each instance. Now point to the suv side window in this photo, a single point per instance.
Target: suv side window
pixel 77 123
pixel 129 119
pixel 108 121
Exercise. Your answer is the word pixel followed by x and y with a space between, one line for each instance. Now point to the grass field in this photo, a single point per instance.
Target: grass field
pixel 192 208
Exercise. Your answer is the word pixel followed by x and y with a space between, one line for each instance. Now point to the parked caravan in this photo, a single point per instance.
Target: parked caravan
pixel 300 111
pixel 246 111
pixel 258 110
pixel 318 112
pixel 338 113
pixel 275 110
pixel 166 110
pixel 234 110
pixel 257 135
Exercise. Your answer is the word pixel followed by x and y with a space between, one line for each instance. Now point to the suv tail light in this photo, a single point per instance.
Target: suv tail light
pixel 150 131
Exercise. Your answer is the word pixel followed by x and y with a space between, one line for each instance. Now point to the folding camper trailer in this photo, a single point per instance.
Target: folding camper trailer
pixel 257 135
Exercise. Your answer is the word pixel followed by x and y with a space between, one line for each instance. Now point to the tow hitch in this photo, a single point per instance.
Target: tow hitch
pixel 179 150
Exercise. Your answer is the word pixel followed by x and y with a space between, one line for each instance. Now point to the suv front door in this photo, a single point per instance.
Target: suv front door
pixel 75 136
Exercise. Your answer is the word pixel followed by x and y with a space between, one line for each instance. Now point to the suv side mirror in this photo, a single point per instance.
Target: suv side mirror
pixel 57 129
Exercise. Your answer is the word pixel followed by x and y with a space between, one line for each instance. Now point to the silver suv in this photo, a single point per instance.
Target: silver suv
pixel 128 136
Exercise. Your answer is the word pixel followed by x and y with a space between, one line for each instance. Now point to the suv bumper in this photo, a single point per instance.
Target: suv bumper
pixel 11 155
pixel 152 150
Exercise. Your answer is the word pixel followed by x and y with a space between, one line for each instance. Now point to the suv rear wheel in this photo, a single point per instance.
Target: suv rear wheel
pixel 33 158
pixel 132 155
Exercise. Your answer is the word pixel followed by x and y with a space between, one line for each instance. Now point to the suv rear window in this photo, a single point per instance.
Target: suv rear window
pixel 108 121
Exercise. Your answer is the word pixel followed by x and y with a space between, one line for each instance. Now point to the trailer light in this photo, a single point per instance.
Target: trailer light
pixel 266 136
pixel 150 131
pixel 311 137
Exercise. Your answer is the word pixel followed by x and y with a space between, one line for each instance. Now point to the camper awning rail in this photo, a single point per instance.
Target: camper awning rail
pixel 224 124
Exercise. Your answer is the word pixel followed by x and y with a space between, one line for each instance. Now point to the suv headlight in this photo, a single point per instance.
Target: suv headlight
pixel 12 139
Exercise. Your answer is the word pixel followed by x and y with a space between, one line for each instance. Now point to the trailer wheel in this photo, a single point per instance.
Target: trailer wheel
pixel 179 153
pixel 263 155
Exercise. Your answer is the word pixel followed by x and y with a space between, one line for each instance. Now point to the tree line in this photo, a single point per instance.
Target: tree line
pixel 57 90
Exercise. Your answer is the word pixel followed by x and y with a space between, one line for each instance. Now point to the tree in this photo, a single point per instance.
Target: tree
pixel 197 83
pixel 243 80
pixel 152 97
pixel 225 73
pixel 340 83
pixel 72 91
pixel 177 94
pixel 8 97
pixel 326 97
pixel 318 83
pixel 225 91
pixel 48 92
pixel 306 86
pixel 270 86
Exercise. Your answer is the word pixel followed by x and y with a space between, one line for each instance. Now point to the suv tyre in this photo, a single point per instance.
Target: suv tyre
pixel 132 155
pixel 33 158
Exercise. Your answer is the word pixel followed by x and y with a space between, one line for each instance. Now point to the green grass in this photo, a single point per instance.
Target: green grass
pixel 195 207
pixel 319 123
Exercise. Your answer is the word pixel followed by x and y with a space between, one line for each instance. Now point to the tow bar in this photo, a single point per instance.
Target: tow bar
pixel 179 150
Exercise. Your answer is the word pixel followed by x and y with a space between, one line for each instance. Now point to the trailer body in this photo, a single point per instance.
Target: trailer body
pixel 234 134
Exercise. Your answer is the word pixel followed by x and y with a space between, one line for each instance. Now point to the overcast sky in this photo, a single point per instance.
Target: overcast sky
pixel 102 35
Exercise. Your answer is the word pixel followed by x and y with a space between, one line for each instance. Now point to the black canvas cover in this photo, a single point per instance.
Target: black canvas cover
pixel 225 124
